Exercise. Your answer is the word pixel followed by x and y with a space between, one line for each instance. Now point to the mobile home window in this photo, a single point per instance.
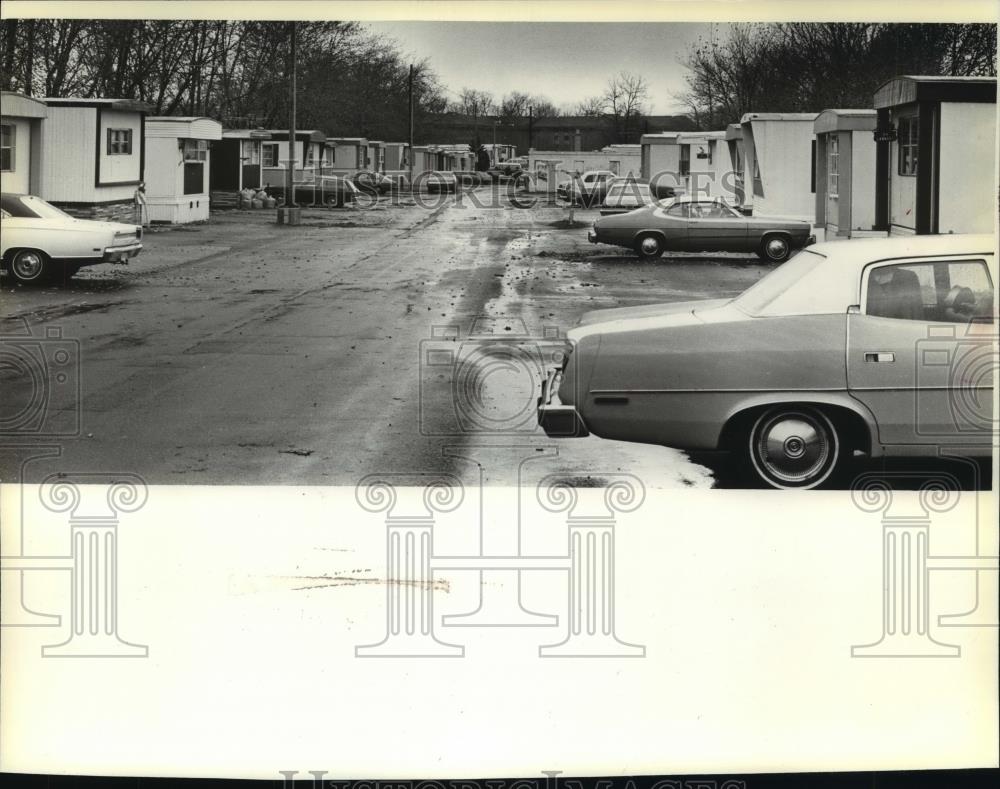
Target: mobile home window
pixel 270 154
pixel 119 142
pixel 250 151
pixel 7 140
pixel 833 172
pixel 685 160
pixel 908 138
pixel 195 150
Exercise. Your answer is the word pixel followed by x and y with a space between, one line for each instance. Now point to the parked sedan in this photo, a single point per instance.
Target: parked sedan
pixel 696 224
pixel 39 242
pixel 586 189
pixel 883 346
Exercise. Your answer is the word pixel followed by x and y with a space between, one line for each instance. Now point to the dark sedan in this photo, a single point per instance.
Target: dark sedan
pixel 690 224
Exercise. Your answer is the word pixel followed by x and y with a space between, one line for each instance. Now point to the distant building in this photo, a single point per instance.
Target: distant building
pixel 565 133
pixel 934 131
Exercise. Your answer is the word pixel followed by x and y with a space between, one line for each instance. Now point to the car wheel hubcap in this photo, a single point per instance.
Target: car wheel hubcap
pixel 777 247
pixel 650 246
pixel 28 265
pixel 793 448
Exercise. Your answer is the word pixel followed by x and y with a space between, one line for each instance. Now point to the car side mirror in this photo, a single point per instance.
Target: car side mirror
pixel 854 309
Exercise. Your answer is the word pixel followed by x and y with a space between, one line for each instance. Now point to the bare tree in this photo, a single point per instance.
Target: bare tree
pixel 625 100
pixel 592 107
pixel 806 67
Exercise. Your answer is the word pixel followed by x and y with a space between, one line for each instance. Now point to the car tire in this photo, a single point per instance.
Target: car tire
pixel 775 248
pixel 649 246
pixel 792 447
pixel 30 266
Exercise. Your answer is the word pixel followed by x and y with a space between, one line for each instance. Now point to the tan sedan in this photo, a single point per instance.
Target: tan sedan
pixel 884 346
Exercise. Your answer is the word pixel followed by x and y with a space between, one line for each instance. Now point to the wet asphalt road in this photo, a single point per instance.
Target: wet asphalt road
pixel 244 352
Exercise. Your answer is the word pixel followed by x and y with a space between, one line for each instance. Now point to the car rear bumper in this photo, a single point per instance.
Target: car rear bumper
pixel 557 419
pixel 122 254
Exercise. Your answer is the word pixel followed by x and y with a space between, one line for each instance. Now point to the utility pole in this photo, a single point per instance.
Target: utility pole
pixel 409 157
pixel 292 146
pixel 290 212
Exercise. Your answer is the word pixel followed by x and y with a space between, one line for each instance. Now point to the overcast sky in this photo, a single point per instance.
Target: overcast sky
pixel 566 62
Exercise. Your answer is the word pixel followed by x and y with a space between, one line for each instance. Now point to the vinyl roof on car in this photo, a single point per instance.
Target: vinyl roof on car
pixel 869 250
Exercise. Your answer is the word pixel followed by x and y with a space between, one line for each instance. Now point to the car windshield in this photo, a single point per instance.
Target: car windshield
pixel 31 207
pixel 756 299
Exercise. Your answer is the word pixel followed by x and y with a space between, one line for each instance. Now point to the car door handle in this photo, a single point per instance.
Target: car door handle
pixel 880 356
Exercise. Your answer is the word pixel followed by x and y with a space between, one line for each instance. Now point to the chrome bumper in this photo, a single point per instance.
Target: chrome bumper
pixel 556 419
pixel 592 236
pixel 122 254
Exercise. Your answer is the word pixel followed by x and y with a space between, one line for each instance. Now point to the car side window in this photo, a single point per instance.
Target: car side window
pixel 942 291
pixel 679 211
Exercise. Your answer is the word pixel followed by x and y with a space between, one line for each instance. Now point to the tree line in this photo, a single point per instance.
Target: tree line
pixel 350 82
pixel 808 67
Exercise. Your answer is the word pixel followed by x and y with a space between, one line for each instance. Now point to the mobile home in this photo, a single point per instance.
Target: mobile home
pixel 237 161
pixel 93 156
pixel 845 172
pixel 778 172
pixel 178 167
pixel 21 121
pixel 277 156
pixel 933 131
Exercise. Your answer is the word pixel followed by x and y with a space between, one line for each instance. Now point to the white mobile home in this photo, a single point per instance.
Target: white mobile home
pixel 277 156
pixel 395 159
pixel 375 160
pixel 178 164
pixel 237 162
pixel 660 159
pixel 93 156
pixel 778 174
pixel 21 121
pixel 845 172
pixel 705 165
pixel 936 156
pixel 737 158
pixel 349 154
pixel 622 160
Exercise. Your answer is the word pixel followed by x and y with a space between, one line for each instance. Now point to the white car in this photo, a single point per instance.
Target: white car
pixel 39 242
pixel 439 181
pixel 626 195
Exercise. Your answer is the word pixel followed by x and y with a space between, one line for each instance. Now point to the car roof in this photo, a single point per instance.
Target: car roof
pixel 861 251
